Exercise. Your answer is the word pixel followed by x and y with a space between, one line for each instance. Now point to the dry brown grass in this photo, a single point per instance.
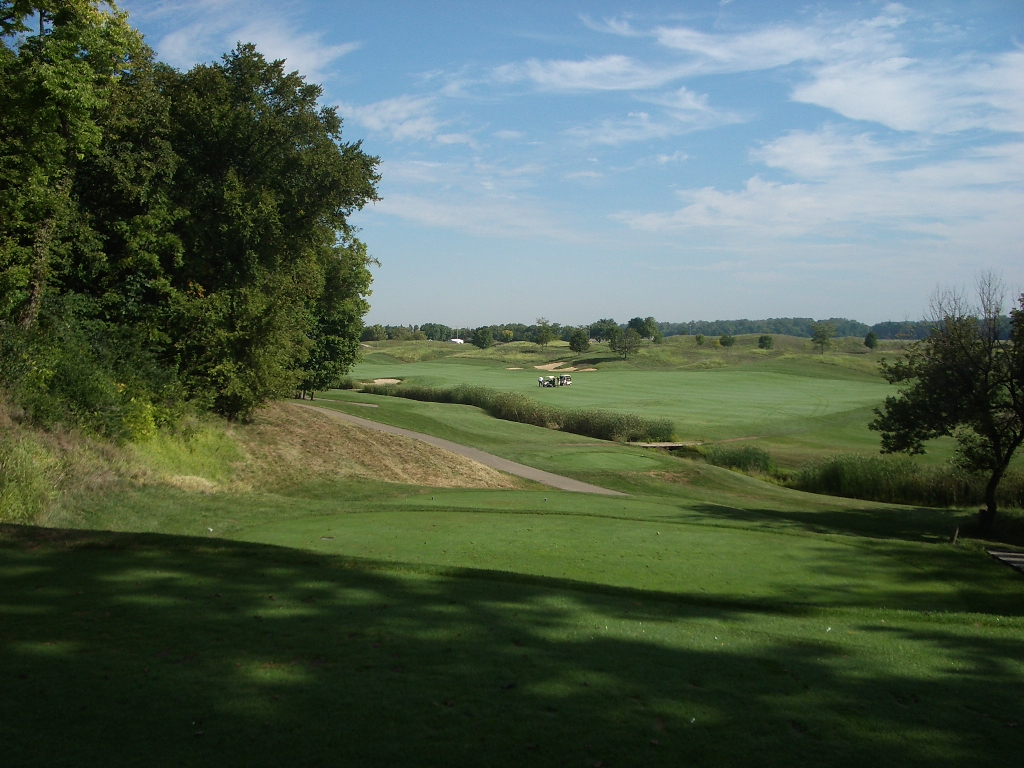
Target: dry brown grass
pixel 289 445
pixel 42 472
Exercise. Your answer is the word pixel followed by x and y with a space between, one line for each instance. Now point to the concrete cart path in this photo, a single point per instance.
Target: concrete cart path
pixel 487 459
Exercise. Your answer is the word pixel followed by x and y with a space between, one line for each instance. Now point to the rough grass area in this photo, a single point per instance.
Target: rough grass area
pixel 515 406
pixel 901 480
pixel 289 446
pixel 41 473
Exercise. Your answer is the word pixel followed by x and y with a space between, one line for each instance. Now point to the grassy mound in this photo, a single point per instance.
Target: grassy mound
pixel 515 406
pixel 43 472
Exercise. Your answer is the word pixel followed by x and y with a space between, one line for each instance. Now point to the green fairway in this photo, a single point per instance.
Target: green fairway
pixel 796 405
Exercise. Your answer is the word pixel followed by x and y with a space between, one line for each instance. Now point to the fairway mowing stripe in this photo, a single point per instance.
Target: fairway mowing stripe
pixel 487 459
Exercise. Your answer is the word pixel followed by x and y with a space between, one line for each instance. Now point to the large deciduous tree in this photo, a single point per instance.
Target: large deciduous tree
pixel 165 236
pixel 269 185
pixel 966 380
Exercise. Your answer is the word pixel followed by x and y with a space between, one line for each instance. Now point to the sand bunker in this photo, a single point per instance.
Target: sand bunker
pixel 513 369
pixel 557 368
pixel 387 381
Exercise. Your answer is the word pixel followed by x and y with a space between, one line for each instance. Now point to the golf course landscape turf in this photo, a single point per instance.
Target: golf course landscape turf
pixel 706 618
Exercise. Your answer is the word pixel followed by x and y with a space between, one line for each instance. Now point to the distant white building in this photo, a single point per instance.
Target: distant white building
pixel 456 341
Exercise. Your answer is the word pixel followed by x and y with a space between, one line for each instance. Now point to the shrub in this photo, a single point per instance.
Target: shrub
pixel 765 342
pixel 515 406
pixel 699 338
pixel 871 340
pixel 746 458
pixel 901 480
pixel 726 340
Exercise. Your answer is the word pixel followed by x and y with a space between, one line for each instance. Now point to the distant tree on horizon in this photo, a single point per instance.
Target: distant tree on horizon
pixel 604 329
pixel 821 335
pixel 483 337
pixel 544 332
pixel 765 342
pixel 871 340
pixel 579 341
pixel 627 343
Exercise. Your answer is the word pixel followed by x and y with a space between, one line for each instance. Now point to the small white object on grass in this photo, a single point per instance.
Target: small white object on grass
pixel 210 530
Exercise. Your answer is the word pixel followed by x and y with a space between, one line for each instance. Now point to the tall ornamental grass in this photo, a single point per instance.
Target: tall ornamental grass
pixel 900 480
pixel 515 406
pixel 746 458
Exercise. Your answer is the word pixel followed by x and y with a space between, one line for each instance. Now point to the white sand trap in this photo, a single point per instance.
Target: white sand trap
pixel 554 367
pixel 513 369
pixel 584 370
pixel 387 381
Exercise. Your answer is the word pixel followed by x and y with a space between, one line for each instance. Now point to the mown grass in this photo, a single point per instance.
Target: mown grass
pixel 374 624
pixel 796 403
pixel 515 406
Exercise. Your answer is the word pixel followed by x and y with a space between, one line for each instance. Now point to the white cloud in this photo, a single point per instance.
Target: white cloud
pixel 604 73
pixel 612 26
pixel 403 117
pixel 764 49
pixel 969 205
pixel 814 155
pixel 913 95
pixel 508 135
pixel 500 217
pixel 637 126
pixel 215 26
pixel 676 157
pixel 684 111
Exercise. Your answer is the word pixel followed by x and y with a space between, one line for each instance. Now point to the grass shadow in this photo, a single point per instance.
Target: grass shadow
pixel 124 649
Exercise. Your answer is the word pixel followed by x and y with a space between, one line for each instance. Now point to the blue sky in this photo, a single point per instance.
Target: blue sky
pixel 687 160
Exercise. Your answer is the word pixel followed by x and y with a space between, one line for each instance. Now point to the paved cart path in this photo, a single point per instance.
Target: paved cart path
pixel 487 459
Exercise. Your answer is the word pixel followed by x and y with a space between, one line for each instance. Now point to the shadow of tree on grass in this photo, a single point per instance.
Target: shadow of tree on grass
pixel 123 649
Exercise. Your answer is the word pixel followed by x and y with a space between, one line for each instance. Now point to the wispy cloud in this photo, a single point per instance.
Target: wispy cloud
pixel 603 73
pixel 817 154
pixel 683 112
pixel 403 117
pixel 864 70
pixel 212 27
pixel 612 25
pixel 854 191
pixel 492 218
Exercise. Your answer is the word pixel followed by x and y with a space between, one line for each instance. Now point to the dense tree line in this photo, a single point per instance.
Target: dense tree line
pixel 602 330
pixel 167 238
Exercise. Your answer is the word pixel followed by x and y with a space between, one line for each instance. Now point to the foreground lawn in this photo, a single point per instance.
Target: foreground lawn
pixel 126 649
